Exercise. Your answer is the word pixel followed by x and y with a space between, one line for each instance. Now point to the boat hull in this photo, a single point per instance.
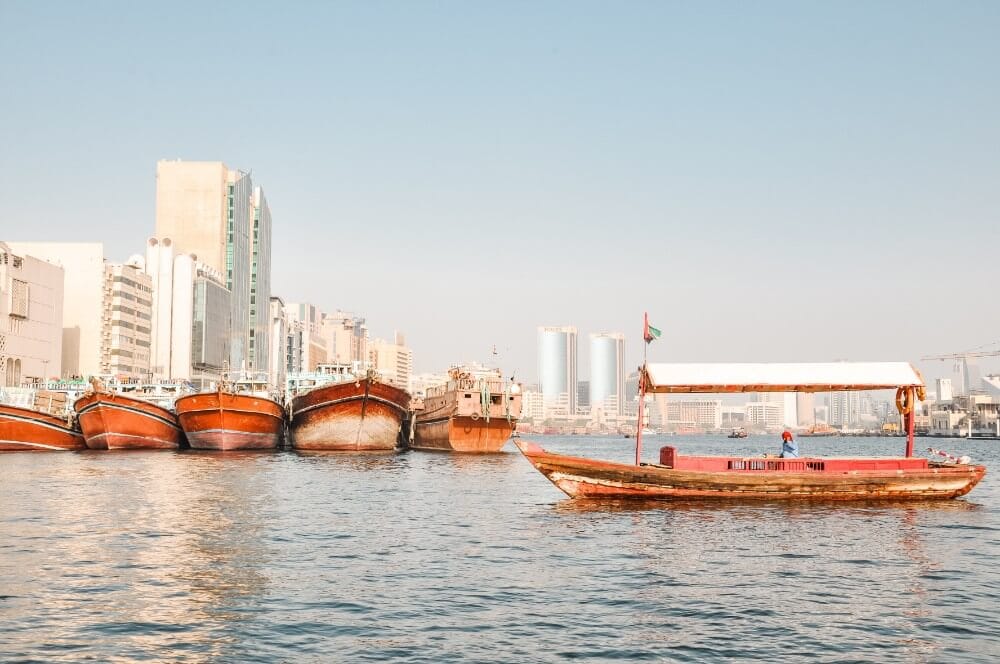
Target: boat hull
pixel 24 429
pixel 223 421
pixel 117 422
pixel 462 434
pixel 361 416
pixel 580 477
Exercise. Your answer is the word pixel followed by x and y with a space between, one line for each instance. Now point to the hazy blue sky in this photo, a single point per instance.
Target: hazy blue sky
pixel 772 181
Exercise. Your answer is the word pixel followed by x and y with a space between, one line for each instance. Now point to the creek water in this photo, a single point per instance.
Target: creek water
pixel 422 557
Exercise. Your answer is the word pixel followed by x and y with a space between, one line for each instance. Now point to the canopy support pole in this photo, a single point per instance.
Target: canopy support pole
pixel 642 401
pixel 910 422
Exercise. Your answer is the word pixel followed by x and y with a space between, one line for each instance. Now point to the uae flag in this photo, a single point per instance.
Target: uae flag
pixel 648 331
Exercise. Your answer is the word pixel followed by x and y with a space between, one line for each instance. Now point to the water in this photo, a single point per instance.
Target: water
pixel 422 557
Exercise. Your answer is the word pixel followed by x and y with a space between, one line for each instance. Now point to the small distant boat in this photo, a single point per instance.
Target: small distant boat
pixel 475 411
pixel 116 421
pixel 242 415
pixel 739 432
pixel 348 411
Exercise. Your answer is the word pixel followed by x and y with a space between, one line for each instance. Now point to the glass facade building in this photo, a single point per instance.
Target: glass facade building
pixel 238 260
pixel 260 285
pixel 210 327
pixel 557 366
pixel 607 371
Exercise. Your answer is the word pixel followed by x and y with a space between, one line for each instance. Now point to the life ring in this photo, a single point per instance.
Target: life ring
pixel 904 400
pixel 474 416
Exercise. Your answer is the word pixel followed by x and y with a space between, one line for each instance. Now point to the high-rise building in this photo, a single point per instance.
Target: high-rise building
pixel 106 310
pixel 394 361
pixel 346 337
pixel 126 321
pixel 260 285
pixel 845 408
pixel 31 310
pixel 607 371
pixel 311 345
pixel 191 309
pixel 945 393
pixel 557 367
pixel 277 368
pixel 805 407
pixel 208 211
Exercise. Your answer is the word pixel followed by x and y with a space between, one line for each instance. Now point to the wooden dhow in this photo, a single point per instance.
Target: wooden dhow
pixel 820 478
pixel 475 411
pixel 24 429
pixel 116 421
pixel 351 413
pixel 237 416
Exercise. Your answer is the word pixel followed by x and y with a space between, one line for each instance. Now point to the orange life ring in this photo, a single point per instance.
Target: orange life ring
pixel 904 401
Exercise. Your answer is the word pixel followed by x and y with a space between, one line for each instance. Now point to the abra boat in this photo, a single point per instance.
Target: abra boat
pixel 475 411
pixel 738 432
pixel 112 420
pixel 241 415
pixel 348 411
pixel 825 478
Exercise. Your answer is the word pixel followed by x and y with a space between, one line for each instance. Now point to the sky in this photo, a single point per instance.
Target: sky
pixel 774 181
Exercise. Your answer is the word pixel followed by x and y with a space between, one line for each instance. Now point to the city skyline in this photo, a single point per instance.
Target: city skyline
pixel 638 158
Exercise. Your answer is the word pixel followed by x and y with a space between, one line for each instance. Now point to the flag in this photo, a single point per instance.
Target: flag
pixel 648 331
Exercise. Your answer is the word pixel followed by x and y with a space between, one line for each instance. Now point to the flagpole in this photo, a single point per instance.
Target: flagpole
pixel 642 389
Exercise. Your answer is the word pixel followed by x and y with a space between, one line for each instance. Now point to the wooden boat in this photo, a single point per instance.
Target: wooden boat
pixel 819 478
pixel 28 429
pixel 237 416
pixel 739 432
pixel 836 478
pixel 473 412
pixel 115 421
pixel 349 414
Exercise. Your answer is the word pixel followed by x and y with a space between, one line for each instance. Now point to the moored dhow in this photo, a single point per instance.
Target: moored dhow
pixel 475 411
pixel 237 416
pixel 27 429
pixel 115 421
pixel 350 412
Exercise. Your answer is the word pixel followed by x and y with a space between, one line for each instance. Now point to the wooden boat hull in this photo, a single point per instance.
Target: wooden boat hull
pixel 117 422
pixel 24 429
pixel 223 421
pixel 360 416
pixel 462 434
pixel 580 477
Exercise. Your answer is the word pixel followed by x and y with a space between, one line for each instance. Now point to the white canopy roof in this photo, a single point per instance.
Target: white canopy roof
pixel 787 377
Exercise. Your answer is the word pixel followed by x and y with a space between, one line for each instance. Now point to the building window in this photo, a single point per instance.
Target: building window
pixel 18 298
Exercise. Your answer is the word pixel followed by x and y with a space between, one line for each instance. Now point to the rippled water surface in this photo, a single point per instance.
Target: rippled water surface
pixel 423 557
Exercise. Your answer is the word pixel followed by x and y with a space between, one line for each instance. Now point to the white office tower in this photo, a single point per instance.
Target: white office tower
pixel 607 372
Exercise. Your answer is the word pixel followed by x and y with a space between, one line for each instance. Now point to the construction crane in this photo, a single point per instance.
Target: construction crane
pixel 968 360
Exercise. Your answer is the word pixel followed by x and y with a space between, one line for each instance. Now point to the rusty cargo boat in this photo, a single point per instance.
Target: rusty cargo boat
pixel 241 415
pixel 138 420
pixel 348 411
pixel 475 411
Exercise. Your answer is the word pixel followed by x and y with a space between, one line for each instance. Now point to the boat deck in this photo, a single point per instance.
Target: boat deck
pixel 670 459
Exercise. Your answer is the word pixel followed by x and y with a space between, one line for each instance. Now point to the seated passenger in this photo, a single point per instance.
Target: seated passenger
pixel 789 448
